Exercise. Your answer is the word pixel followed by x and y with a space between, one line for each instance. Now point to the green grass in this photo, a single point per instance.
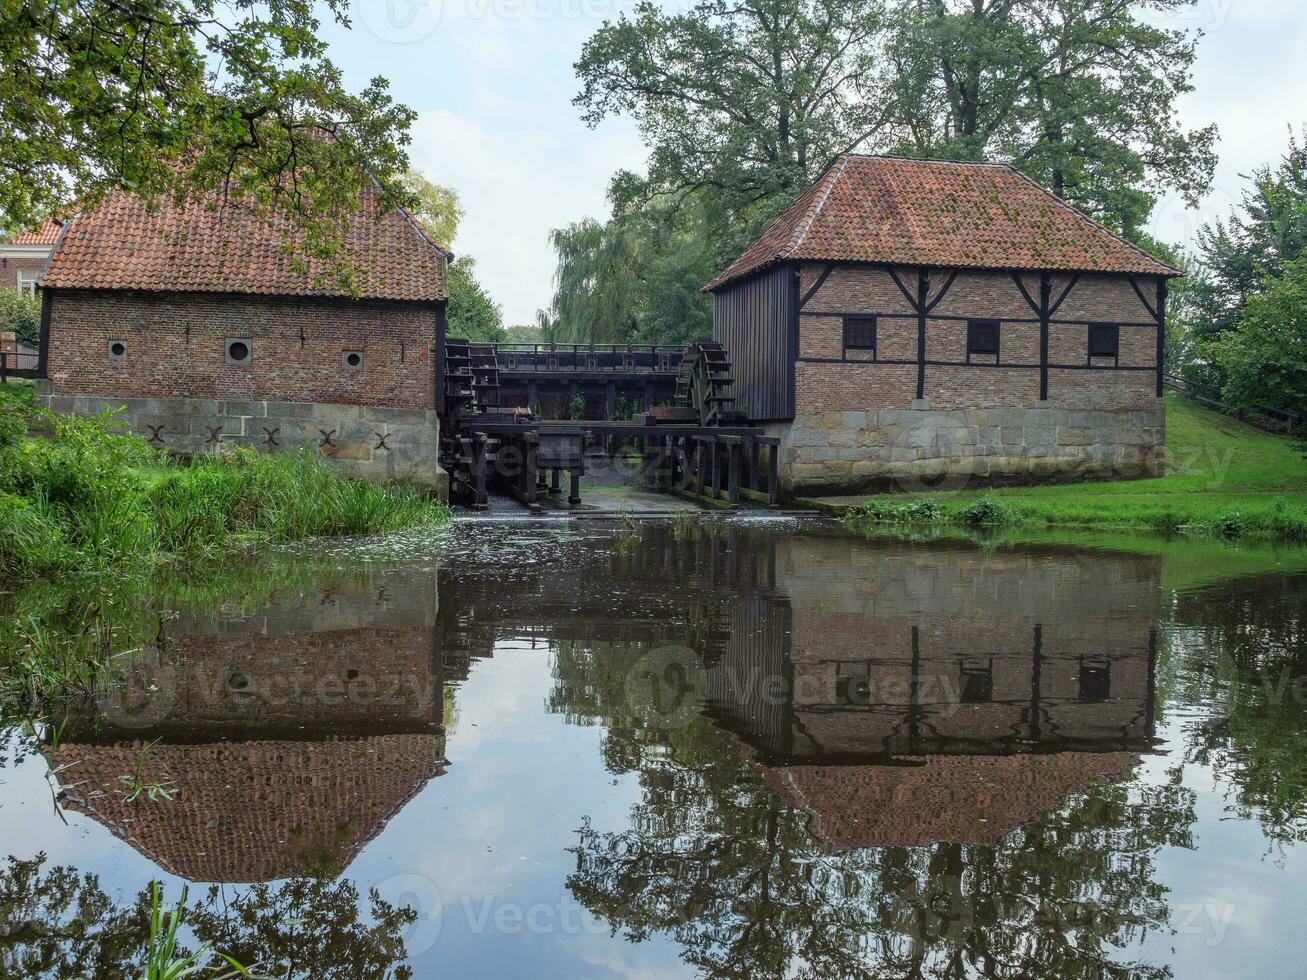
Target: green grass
pixel 1224 478
pixel 85 497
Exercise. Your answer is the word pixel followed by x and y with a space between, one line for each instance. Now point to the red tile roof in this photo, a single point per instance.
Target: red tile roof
pixel 214 246
pixel 899 211
pixel 46 233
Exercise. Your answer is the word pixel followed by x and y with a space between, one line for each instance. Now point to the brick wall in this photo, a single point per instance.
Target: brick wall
pixel 176 348
pixel 10 267
pixel 1011 381
pixel 858 423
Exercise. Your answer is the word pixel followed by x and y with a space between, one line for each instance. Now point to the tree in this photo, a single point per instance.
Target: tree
pixel 437 206
pixel 184 96
pixel 471 313
pixel 21 314
pixel 1254 244
pixel 747 99
pixel 1080 94
pixel 1264 361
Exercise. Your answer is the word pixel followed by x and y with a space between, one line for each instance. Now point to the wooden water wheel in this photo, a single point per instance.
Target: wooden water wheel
pixel 704 382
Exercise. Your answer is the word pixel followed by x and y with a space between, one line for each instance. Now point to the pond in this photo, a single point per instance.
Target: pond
pixel 724 748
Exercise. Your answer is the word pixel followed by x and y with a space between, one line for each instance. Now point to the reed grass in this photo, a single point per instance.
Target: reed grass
pixel 82 496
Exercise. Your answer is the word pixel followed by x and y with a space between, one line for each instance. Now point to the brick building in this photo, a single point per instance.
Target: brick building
pixel 203 320
pixel 908 322
pixel 23 256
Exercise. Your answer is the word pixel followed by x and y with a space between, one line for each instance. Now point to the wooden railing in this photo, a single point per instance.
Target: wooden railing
pixel 14 365
pixel 1268 419
pixel 601 358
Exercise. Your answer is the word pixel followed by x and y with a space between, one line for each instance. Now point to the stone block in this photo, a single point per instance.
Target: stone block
pixel 843 437
pixel 853 420
pixel 235 409
pixel 352 450
pixel 872 437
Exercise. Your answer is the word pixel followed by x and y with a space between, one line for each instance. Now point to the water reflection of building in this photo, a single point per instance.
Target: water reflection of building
pixel 939 692
pixel 287 741
pixel 897 692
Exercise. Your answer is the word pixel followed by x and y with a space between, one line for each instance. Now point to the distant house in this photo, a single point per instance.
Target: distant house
pixel 908 322
pixel 204 321
pixel 23 256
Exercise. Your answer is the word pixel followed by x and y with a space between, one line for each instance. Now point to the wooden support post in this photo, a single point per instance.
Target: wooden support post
pixel 715 449
pixel 699 466
pixel 648 395
pixel 574 494
pixel 530 485
pixel 478 448
pixel 733 446
pixel 772 488
pixel 755 476
pixel 555 478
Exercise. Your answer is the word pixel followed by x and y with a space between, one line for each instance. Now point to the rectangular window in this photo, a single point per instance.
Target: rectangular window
pixel 27 283
pixel 860 333
pixel 982 337
pixel 1104 340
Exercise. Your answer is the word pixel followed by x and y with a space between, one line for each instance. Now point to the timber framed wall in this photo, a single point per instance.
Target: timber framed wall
pixel 754 320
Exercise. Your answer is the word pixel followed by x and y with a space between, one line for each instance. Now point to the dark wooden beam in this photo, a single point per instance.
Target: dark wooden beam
pixel 821 281
pixel 43 345
pixel 1045 293
pixel 943 291
pixel 923 290
pixel 1162 290
pixel 1134 284
pixel 1057 303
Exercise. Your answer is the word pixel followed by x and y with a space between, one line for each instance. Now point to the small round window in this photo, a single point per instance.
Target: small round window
pixel 353 360
pixel 117 349
pixel 238 352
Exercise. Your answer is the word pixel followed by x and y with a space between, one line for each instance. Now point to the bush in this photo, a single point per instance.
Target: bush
pixel 984 511
pixel 88 496
pixel 21 314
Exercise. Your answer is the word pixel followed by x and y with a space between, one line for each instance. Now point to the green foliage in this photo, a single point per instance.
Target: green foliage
pixel 438 207
pixel 66 925
pixel 104 94
pixel 1225 479
pixel 22 314
pixel 471 312
pixel 86 496
pixel 1080 94
pixel 1239 255
pixel 1264 361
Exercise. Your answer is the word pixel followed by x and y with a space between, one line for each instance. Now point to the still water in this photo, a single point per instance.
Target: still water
pixel 725 749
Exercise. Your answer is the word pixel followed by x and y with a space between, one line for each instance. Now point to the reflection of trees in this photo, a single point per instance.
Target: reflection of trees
pixel 1240 651
pixel 723 865
pixel 60 923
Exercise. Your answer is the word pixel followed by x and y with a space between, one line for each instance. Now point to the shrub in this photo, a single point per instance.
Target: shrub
pixel 984 511
pixel 22 314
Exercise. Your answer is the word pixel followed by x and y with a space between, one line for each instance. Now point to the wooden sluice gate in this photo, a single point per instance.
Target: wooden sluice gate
pixel 698 444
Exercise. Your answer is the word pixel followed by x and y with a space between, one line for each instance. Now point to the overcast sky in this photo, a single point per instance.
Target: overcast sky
pixel 492 83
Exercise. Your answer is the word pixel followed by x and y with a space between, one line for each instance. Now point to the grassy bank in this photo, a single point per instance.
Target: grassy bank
pixel 84 497
pixel 1224 478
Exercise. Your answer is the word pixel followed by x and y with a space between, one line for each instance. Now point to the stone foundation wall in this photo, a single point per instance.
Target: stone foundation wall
pixel 927 449
pixel 377 444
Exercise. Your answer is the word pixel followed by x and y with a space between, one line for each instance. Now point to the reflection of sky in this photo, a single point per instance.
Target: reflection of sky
pixel 491 837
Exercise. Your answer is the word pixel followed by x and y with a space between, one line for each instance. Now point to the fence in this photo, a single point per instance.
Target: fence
pixel 1268 419
pixel 15 365
pixel 612 358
